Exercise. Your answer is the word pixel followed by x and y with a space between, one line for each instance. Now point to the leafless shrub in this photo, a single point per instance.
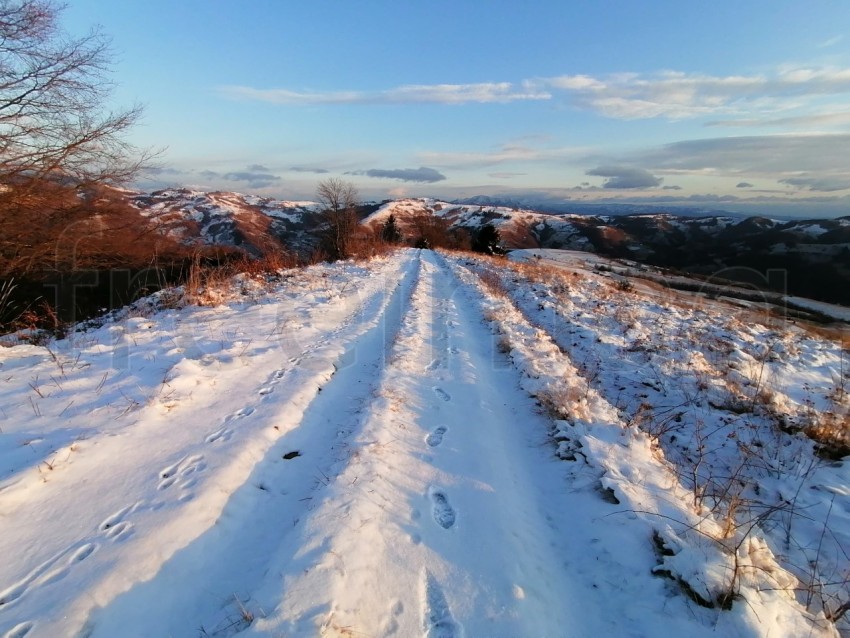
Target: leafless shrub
pixel 340 220
pixel 624 285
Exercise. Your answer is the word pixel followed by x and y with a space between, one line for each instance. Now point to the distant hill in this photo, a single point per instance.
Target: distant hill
pixel 810 258
pixel 229 219
pixel 557 206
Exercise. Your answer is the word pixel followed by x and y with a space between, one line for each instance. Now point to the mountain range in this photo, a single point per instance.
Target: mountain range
pixel 807 257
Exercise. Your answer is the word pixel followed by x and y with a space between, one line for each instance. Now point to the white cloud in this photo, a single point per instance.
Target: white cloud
pixel 676 95
pixel 504 154
pixel 669 94
pixel 831 42
pixel 488 92
pixel 625 177
pixel 810 121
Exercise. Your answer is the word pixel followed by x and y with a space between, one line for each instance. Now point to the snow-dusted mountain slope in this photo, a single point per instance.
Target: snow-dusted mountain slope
pixel 809 258
pixel 230 219
pixel 813 255
pixel 519 228
pixel 424 445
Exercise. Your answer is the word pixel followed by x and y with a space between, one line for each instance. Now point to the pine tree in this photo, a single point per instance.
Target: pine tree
pixel 488 241
pixel 390 233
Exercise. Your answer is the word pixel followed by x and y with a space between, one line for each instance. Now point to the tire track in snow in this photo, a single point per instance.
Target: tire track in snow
pixel 462 458
pixel 142 543
pixel 263 516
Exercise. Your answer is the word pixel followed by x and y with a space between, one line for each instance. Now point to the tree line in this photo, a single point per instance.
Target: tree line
pixel 343 236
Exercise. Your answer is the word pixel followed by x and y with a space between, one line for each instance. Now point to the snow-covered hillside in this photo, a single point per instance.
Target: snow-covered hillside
pixel 519 228
pixel 429 445
pixel 229 219
pixel 814 255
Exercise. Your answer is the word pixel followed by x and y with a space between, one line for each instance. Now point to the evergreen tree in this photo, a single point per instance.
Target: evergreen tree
pixel 488 241
pixel 390 233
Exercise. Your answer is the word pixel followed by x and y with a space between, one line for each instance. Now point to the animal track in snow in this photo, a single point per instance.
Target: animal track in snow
pixel 225 433
pixel 265 390
pixel 221 434
pixel 390 624
pixel 240 414
pixel 438 619
pixel 20 630
pixel 82 553
pixel 445 396
pixel 182 473
pixel 435 437
pixel 444 514
pixel 114 527
pixel 51 570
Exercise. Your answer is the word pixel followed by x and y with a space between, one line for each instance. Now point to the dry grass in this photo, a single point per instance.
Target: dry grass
pixel 554 276
pixel 492 282
pixel 832 433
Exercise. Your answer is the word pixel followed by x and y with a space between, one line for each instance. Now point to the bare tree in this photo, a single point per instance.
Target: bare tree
pixel 52 94
pixel 340 201
pixel 59 143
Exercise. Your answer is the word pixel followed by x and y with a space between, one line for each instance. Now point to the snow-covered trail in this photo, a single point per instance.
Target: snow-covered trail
pixel 124 499
pixel 441 521
pixel 379 470
pixel 422 500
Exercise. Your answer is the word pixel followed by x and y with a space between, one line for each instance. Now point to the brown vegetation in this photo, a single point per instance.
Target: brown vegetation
pixel 60 152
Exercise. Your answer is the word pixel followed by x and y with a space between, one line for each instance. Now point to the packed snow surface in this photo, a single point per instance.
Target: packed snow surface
pixel 396 448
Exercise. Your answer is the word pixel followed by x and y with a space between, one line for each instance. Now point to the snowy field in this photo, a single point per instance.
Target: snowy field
pixel 425 444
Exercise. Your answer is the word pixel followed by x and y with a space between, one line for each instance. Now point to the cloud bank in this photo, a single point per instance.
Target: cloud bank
pixel 673 95
pixel 421 174
pixel 625 177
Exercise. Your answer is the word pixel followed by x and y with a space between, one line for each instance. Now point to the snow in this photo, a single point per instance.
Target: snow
pixel 839 313
pixel 392 448
pixel 814 229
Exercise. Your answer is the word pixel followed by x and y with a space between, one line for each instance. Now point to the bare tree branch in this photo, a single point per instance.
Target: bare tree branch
pixel 57 136
pixel 340 200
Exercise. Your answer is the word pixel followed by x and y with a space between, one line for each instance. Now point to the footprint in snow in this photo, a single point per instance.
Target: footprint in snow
pixel 435 437
pixel 390 626
pixel 436 364
pixel 444 514
pixel 445 396
pixel 437 616
pixel 266 390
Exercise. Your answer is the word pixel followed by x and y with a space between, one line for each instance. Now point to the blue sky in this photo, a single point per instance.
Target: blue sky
pixel 729 105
